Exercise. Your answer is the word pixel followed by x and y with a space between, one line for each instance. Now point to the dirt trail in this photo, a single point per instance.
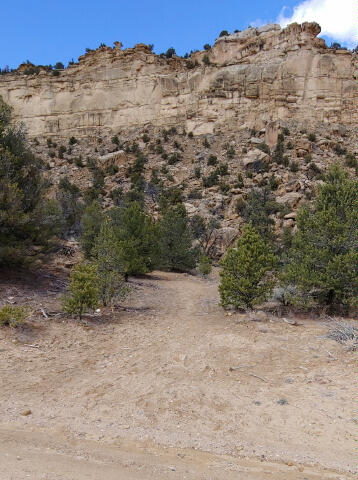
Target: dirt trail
pixel 148 393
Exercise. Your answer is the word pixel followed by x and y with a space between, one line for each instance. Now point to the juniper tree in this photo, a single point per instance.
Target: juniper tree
pixel 27 218
pixel 322 261
pixel 137 237
pixel 176 239
pixel 109 259
pixel 245 274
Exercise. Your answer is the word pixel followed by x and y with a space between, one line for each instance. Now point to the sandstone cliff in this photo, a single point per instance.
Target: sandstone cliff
pixel 247 80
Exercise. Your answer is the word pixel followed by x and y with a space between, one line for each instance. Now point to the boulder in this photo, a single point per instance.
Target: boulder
pixel 291 198
pixel 255 160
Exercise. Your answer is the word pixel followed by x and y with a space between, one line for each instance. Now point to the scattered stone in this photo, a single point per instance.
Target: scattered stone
pixel 26 413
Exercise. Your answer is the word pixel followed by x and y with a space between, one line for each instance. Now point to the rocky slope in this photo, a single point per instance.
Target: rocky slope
pixel 223 111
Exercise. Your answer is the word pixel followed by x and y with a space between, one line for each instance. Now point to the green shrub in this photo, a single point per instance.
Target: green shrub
pixel 264 147
pixel 240 180
pixel 211 180
pixel 190 135
pixel 174 158
pixel 351 160
pixel 146 138
pixel 112 169
pixel 205 265
pixel 294 166
pixel 72 141
pixel 197 172
pixel 285 131
pixel 224 33
pixel 83 290
pixel 195 194
pixel 222 170
pixel 61 151
pixel 240 205
pixel 206 143
pixel 312 137
pixel 224 188
pixel 13 315
pixel 207 47
pixel 212 160
pixel 115 140
pixel 78 162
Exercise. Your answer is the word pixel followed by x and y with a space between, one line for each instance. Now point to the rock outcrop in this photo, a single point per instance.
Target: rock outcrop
pixel 248 79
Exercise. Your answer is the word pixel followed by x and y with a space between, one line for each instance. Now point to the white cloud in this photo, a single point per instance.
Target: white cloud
pixel 338 18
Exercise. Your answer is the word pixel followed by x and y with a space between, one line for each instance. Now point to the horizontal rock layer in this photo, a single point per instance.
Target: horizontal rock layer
pixel 254 77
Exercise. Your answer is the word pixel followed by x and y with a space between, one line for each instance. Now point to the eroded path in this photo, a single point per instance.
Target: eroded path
pixel 148 393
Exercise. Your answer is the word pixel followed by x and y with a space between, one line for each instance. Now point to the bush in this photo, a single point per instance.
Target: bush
pixel 146 138
pixel 61 151
pixel 190 135
pixel 212 160
pixel 240 180
pixel 224 188
pixel 240 205
pixel 211 180
pixel 222 170
pixel 205 265
pixel 78 162
pixel 285 131
pixel 312 137
pixel 174 158
pixel 197 172
pixel 13 315
pixel 245 279
pixel 339 149
pixel 170 52
pixel 112 169
pixel 72 141
pixel 195 194
pixel 115 140
pixel 110 260
pixel 83 290
pixel 294 166
pixel 351 161
pixel 206 143
pixel 224 33
pixel 207 47
pixel 264 147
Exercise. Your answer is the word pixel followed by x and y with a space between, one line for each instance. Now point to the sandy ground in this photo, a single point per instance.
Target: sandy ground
pixel 172 388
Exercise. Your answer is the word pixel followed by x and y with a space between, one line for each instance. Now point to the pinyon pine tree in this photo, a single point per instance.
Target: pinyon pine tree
pixel 245 279
pixel 175 240
pixel 322 261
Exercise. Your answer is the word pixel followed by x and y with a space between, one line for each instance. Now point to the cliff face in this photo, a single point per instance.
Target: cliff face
pixel 254 77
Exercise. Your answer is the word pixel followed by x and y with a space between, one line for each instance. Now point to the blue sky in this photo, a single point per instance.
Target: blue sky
pixel 47 31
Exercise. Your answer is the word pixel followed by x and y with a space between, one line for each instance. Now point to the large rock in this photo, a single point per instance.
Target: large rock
pixel 255 160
